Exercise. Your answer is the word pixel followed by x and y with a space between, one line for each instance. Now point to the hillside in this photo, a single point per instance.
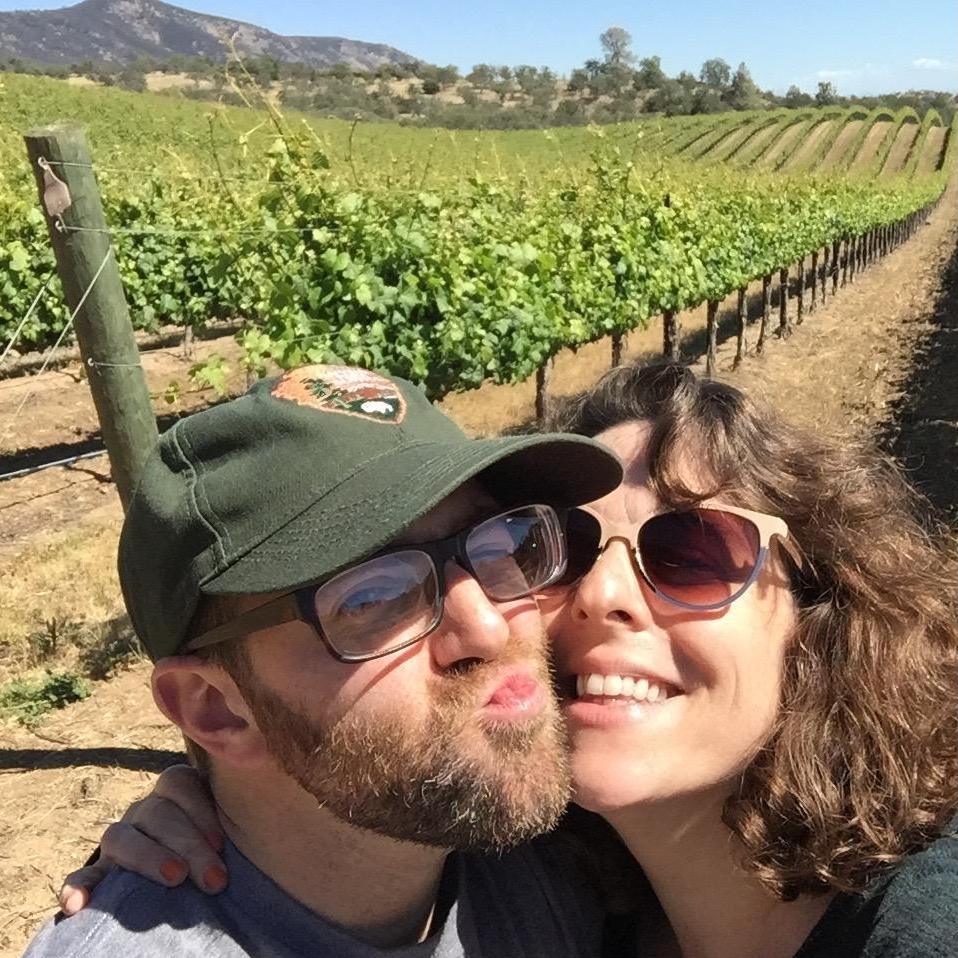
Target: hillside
pixel 119 31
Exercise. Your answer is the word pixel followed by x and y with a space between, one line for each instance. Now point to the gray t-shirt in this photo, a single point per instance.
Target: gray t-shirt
pixel 529 903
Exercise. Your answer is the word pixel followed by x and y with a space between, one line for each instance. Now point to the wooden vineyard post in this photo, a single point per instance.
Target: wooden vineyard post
pixel 784 330
pixel 671 331
pixel 617 349
pixel 741 317
pixel 835 258
pixel 70 199
pixel 766 311
pixel 814 303
pixel 845 262
pixel 800 291
pixel 711 325
pixel 826 265
pixel 851 258
pixel 543 380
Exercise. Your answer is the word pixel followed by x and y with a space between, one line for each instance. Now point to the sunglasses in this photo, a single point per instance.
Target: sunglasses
pixel 395 599
pixel 700 559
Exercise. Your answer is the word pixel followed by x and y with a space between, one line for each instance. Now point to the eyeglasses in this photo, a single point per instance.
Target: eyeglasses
pixel 700 559
pixel 395 599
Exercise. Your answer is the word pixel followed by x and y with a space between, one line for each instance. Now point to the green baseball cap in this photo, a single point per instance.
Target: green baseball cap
pixel 306 474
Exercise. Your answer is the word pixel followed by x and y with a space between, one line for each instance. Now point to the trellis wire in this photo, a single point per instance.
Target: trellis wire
pixel 26 319
pixel 67 327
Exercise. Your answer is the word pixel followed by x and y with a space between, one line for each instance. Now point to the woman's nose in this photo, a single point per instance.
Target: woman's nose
pixel 611 593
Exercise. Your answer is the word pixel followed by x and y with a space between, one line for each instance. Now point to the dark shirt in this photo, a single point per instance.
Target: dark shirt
pixel 910 913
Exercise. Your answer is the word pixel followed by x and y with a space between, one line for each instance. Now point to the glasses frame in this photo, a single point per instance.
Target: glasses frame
pixel 299 605
pixel 768 527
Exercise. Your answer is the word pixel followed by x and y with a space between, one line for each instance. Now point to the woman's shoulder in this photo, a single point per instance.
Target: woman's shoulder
pixel 921 895
pixel 910 913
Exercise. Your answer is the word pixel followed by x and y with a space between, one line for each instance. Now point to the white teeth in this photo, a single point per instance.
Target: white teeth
pixel 595 685
pixel 620 686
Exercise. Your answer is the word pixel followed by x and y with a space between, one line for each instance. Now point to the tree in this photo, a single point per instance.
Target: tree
pixel 447 75
pixel 482 76
pixel 716 74
pixel 671 98
pixel 132 79
pixel 578 81
pixel 708 100
pixel 743 93
pixel 826 95
pixel 796 98
pixel 650 75
pixel 527 77
pixel 593 68
pixel 617 44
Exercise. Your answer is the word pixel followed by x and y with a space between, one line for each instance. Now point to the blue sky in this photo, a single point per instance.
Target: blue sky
pixel 861 47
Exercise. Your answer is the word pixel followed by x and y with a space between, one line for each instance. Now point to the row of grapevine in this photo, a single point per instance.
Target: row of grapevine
pixel 483 281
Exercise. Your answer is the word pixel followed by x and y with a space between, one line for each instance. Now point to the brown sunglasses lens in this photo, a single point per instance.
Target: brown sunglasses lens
pixel 700 557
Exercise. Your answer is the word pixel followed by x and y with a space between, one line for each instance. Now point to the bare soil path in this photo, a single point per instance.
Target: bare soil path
pixel 782 146
pixel 880 359
pixel 836 152
pixel 810 144
pixel 873 142
pixel 933 146
pixel 901 149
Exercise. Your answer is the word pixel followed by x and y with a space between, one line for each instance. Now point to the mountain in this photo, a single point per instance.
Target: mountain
pixel 118 31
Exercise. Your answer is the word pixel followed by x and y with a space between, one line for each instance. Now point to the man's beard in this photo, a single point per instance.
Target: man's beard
pixel 449 781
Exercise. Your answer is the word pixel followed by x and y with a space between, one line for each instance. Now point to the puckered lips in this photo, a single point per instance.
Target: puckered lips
pixel 513 697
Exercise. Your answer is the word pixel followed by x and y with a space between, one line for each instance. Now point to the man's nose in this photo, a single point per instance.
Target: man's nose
pixel 612 591
pixel 472 627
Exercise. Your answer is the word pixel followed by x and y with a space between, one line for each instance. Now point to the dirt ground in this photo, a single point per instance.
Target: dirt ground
pixel 879 359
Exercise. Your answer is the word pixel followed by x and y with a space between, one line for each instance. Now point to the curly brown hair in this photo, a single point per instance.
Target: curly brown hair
pixel 860 769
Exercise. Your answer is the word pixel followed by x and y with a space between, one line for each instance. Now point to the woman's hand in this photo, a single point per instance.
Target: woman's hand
pixel 172 833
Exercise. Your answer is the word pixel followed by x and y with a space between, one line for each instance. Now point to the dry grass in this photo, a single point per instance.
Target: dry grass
pixel 60 604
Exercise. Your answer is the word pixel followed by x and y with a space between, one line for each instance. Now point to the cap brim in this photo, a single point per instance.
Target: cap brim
pixel 370 508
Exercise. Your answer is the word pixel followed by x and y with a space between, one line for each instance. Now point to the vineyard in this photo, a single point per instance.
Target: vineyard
pixel 462 260
pixel 452 258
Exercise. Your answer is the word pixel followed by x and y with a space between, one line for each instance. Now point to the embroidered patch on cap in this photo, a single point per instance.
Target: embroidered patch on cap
pixel 343 389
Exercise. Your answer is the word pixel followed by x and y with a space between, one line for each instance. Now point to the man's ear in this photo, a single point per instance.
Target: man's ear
pixel 205 703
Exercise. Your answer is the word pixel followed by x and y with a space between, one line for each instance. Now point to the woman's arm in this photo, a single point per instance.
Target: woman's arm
pixel 172 833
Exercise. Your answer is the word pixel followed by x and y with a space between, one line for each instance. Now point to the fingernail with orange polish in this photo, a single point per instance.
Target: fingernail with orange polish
pixel 214 878
pixel 173 871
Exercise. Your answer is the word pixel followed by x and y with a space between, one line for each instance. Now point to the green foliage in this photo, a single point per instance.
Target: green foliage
pixel 489 256
pixel 28 700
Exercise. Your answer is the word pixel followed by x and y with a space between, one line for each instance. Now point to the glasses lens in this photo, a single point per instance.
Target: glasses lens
pixel 516 553
pixel 582 537
pixel 380 604
pixel 701 557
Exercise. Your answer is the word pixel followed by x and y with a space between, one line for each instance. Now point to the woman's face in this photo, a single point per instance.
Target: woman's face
pixel 717 674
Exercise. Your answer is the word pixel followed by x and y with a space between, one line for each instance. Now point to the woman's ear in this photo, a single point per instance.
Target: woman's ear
pixel 204 701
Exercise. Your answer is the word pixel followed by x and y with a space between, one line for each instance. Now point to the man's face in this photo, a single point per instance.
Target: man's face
pixel 454 742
